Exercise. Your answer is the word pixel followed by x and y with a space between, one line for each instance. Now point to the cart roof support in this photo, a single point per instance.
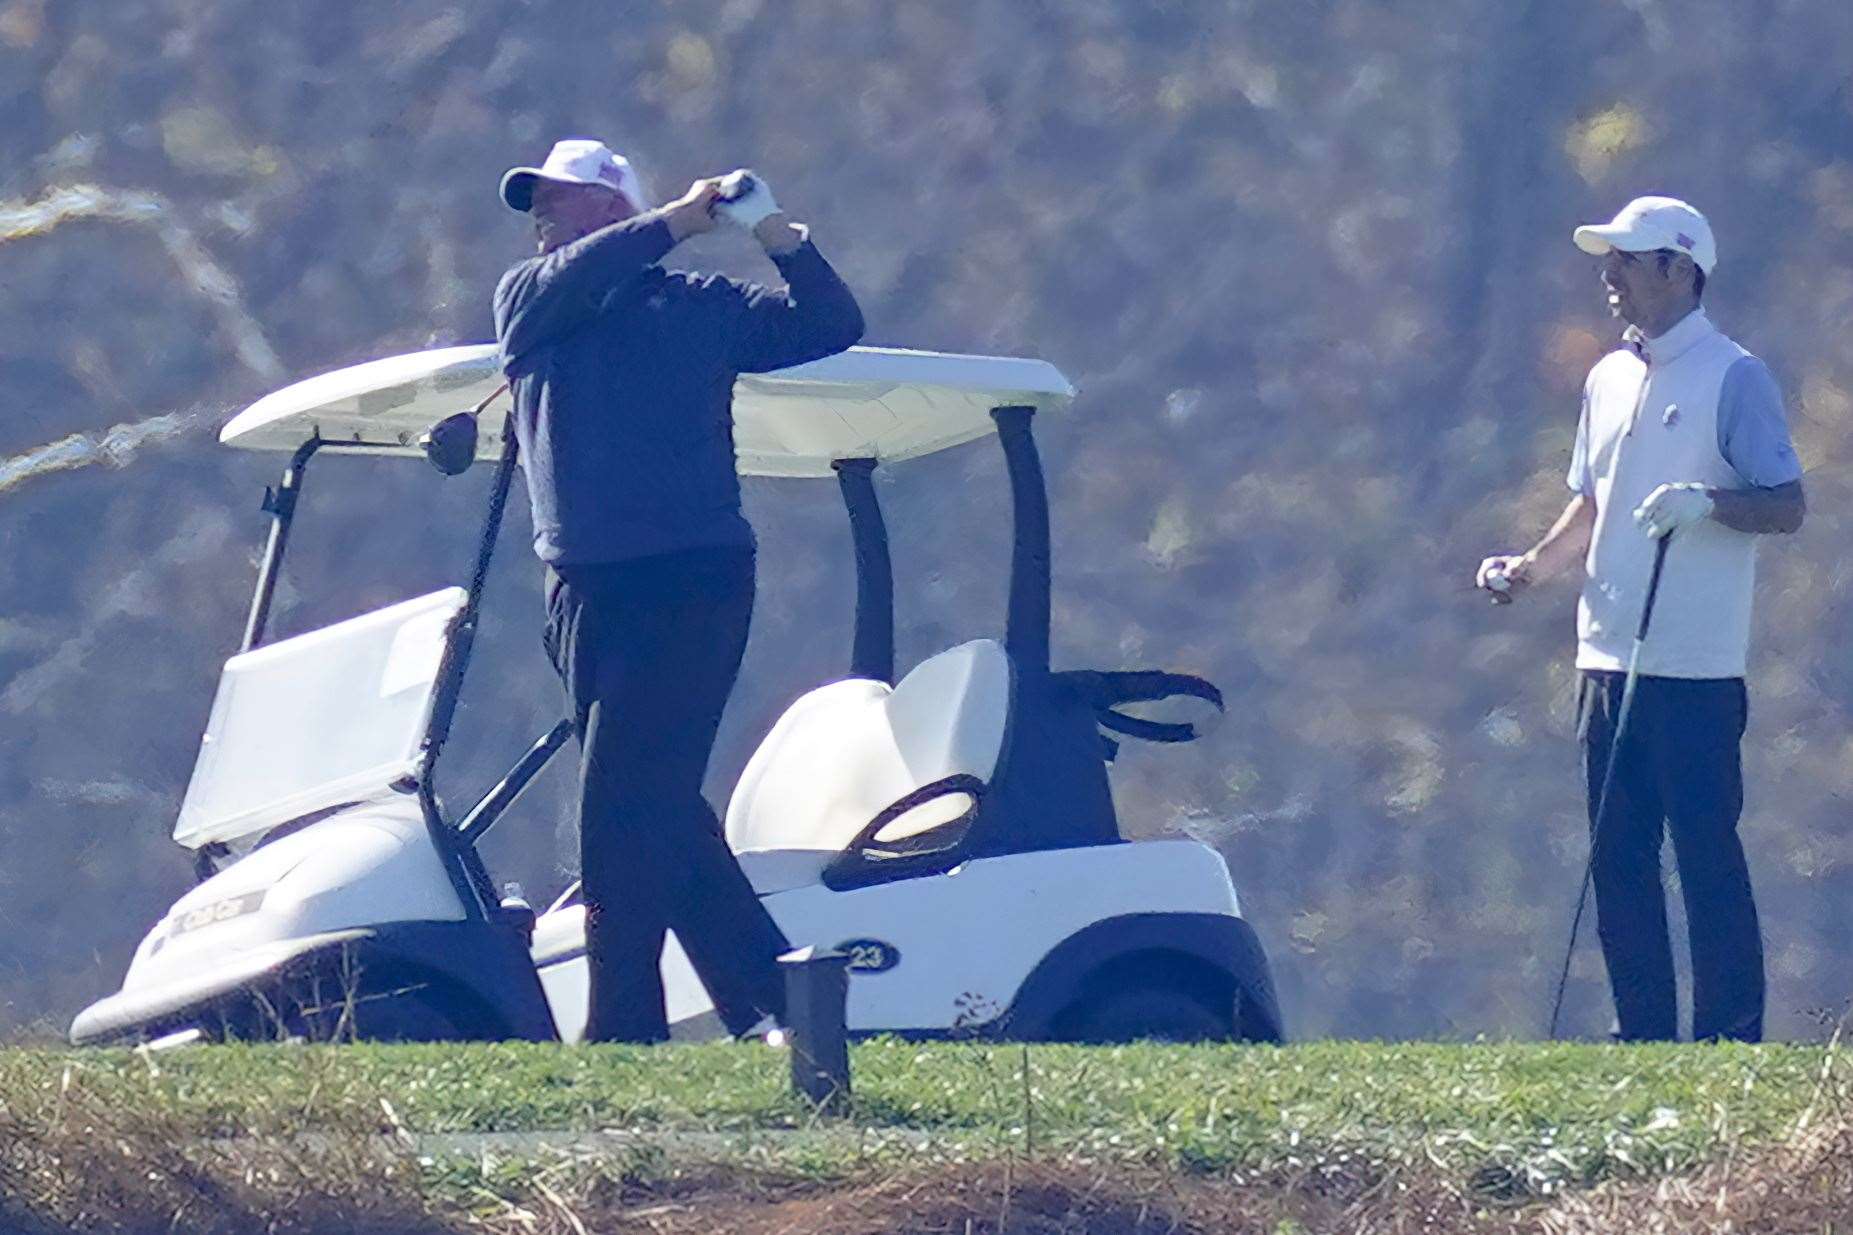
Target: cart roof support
pixel 873 654
pixel 1027 632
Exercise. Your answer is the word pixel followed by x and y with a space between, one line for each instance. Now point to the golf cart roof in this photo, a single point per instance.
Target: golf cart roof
pixel 869 402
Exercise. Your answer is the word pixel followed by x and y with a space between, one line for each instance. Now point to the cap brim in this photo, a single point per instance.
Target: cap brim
pixel 1597 239
pixel 518 187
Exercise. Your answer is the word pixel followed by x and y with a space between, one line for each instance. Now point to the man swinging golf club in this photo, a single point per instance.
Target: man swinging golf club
pixel 623 379
pixel 1682 435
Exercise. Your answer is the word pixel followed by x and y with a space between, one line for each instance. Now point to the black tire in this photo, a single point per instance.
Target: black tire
pixel 1121 1014
pixel 427 1014
pixel 404 1011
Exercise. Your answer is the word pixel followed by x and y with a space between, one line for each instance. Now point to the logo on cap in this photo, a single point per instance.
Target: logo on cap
pixel 1684 241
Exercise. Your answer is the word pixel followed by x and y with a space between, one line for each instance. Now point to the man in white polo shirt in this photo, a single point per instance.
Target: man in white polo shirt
pixel 1682 434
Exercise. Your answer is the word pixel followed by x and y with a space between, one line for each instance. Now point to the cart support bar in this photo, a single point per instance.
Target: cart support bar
pixel 1026 633
pixel 463 636
pixel 280 504
pixel 873 655
pixel 483 815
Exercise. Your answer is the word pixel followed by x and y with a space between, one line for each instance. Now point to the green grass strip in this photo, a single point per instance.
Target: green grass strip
pixel 1538 1115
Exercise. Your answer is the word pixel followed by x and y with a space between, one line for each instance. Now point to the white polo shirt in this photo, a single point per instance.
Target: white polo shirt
pixel 1690 405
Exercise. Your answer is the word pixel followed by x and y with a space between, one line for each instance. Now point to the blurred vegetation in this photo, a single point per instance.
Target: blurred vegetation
pixel 1309 265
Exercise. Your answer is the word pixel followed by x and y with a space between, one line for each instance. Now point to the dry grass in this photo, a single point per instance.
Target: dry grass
pixel 1804 1186
pixel 74 1158
pixel 93 1183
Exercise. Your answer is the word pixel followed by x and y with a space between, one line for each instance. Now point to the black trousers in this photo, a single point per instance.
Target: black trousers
pixel 648 651
pixel 1678 771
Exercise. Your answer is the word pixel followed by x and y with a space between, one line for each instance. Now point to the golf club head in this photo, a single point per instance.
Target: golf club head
pixel 450 444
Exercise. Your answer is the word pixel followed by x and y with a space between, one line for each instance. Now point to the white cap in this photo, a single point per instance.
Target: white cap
pixel 574 161
pixel 1649 223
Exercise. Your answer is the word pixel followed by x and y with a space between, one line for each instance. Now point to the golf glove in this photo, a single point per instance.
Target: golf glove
pixel 1671 507
pixel 745 200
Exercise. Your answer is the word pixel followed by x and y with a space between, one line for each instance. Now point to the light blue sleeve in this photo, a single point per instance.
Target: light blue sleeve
pixel 1579 479
pixel 1753 433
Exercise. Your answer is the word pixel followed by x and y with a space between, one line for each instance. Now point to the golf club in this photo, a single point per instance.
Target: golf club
pixel 1608 774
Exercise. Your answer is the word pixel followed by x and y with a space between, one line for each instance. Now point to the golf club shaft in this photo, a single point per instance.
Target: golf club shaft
pixel 1653 590
pixel 1608 774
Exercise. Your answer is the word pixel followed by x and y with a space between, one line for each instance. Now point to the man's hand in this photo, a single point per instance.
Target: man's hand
pixel 745 199
pixel 1671 507
pixel 1504 576
pixel 1510 573
pixel 693 212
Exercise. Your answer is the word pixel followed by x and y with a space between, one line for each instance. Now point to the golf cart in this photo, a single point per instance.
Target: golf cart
pixel 951 830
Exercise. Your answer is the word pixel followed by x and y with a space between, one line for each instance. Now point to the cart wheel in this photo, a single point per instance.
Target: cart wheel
pixel 1154 1013
pixel 400 1013
pixel 428 1015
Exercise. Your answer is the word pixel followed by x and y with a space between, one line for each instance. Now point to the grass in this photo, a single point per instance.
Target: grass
pixel 1569 1112
pixel 1503 1124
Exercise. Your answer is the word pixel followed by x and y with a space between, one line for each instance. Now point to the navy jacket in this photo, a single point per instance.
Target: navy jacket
pixel 623 380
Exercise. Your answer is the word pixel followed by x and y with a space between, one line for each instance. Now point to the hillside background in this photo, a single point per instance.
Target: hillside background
pixel 1309 265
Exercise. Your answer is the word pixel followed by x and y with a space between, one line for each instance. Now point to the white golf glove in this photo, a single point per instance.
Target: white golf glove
pixel 745 199
pixel 1671 507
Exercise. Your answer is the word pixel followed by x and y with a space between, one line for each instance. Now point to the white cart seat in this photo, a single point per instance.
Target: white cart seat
pixel 844 753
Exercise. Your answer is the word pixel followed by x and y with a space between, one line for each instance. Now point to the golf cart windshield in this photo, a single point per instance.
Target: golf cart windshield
pixel 332 716
pixel 877 403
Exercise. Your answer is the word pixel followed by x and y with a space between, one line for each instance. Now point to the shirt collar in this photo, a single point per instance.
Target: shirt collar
pixel 1679 338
